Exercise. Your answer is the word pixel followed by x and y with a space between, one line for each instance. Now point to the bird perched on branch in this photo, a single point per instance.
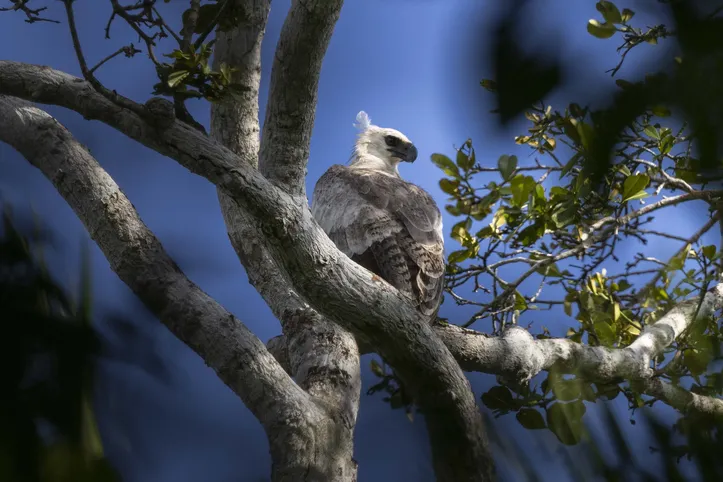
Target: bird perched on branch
pixel 382 222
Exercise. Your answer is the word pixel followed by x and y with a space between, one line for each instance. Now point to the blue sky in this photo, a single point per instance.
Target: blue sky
pixel 406 63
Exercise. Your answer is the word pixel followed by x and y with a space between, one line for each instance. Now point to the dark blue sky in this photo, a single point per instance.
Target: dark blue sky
pixel 402 61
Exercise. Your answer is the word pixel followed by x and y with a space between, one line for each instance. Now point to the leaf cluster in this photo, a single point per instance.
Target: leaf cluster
pixel 555 231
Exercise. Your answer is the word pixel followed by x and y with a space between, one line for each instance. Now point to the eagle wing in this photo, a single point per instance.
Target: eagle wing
pixel 391 227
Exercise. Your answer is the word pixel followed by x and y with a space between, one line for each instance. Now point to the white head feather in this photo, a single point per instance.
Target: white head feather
pixel 362 121
pixel 371 150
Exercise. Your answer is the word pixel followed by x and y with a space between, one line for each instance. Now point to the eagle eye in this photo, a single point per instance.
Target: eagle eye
pixel 392 141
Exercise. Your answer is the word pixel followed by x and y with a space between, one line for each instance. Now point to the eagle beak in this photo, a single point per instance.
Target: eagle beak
pixel 410 154
pixel 404 152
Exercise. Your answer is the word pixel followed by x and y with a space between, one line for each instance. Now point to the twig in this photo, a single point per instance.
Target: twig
pixel 128 50
pixel 692 240
pixel 88 74
pixel 122 12
pixel 32 14
pixel 165 25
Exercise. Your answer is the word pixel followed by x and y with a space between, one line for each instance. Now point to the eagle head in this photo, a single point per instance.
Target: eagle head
pixel 380 146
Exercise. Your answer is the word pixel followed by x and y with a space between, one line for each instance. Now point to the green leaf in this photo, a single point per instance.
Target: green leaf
pixel 459 230
pixel 178 55
pixel 531 419
pixel 177 77
pixel 507 165
pixel 449 186
pixel 565 421
pixel 566 390
pixel 652 132
pixel 531 233
pixel 464 161
pixel 616 311
pixel 498 398
pixel 709 251
pixel 678 261
pixel 586 133
pixel 609 11
pixel 634 187
pixel 666 144
pixel 522 186
pixel 520 302
pixel 605 333
pixel 485 232
pixel 564 214
pixel 480 210
pixel 697 360
pixel 570 164
pixel 661 111
pixel 600 30
pixel 458 256
pixel 586 300
pixel 627 15
pixel 445 164
pixel 623 285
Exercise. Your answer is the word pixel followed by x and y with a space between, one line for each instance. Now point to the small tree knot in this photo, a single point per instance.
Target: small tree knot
pixel 160 112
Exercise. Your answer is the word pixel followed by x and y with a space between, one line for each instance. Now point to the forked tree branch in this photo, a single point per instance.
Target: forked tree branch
pixel 235 122
pixel 333 284
pixel 322 356
pixel 238 357
pixel 293 92
pixel 517 356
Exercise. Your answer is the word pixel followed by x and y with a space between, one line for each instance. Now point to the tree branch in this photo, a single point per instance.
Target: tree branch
pixel 322 356
pixel 333 284
pixel 682 399
pixel 293 93
pixel 136 255
pixel 517 353
pixel 32 14
pixel 517 356
pixel 235 124
pixel 88 73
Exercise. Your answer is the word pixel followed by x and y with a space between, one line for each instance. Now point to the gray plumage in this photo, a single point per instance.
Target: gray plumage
pixel 387 225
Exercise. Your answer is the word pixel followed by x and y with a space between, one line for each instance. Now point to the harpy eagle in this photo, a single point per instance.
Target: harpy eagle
pixel 382 222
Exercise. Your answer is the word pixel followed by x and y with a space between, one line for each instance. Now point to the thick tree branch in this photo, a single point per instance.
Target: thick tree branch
pixel 136 255
pixel 235 121
pixel 291 107
pixel 518 354
pixel 682 399
pixel 322 356
pixel 333 284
